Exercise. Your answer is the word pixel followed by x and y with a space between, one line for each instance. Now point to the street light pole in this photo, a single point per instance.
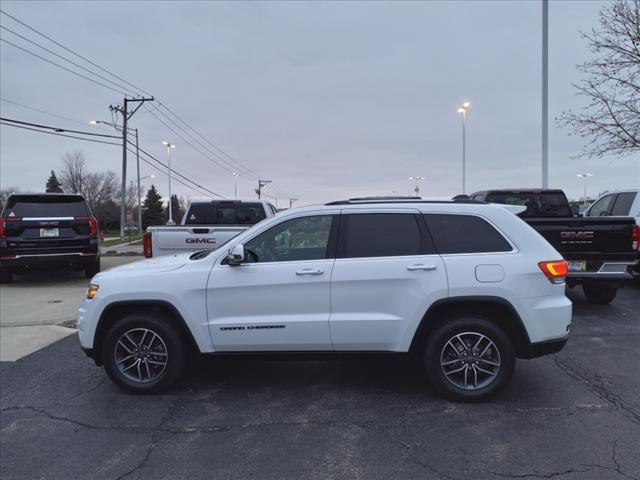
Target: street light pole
pixel 584 177
pixel 169 148
pixel 235 185
pixel 139 194
pixel 545 93
pixel 463 110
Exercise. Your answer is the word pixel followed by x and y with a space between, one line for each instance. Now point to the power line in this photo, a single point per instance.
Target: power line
pixel 22 105
pixel 58 129
pixel 252 172
pixel 62 67
pixel 177 172
pixel 67 60
pixel 73 52
pixel 188 142
pixel 58 134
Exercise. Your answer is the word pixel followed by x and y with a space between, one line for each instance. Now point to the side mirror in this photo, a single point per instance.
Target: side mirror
pixel 236 255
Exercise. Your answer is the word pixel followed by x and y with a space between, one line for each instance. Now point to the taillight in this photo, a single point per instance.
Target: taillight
pixel 93 224
pixel 146 245
pixel 635 238
pixel 555 271
pixel 3 225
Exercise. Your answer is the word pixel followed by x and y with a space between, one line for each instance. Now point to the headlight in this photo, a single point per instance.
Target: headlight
pixel 92 290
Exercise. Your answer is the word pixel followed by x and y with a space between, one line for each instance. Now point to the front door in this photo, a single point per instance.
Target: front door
pixel 279 298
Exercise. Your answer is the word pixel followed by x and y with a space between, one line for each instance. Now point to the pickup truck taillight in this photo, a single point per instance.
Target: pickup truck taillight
pixel 93 224
pixel 3 225
pixel 146 245
pixel 635 238
pixel 555 271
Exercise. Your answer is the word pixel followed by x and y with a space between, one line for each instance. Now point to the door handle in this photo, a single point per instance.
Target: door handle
pixel 310 271
pixel 421 267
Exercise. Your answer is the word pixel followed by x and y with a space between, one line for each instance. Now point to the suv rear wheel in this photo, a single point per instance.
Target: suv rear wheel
pixel 92 269
pixel 6 275
pixel 469 359
pixel 600 293
pixel 144 353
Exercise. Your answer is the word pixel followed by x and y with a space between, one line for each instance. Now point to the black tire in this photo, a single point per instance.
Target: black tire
pixel 600 293
pixel 92 269
pixel 174 345
pixel 473 327
pixel 6 275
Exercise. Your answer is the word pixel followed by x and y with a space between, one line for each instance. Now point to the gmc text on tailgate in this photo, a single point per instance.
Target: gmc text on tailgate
pixel 600 250
pixel 47 231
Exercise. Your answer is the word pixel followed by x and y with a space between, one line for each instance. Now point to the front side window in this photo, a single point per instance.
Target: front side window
pixel 602 207
pixel 465 234
pixel 305 238
pixel 380 235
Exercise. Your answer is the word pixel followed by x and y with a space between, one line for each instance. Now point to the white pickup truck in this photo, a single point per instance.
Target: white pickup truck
pixel 206 225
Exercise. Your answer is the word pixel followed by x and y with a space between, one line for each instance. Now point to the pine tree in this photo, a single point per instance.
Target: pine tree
pixel 53 184
pixel 152 209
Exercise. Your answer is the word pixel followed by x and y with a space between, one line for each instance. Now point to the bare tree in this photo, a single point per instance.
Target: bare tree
pixel 610 119
pixel 5 193
pixel 73 172
pixel 98 187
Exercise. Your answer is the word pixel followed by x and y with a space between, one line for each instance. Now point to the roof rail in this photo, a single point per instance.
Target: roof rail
pixel 408 199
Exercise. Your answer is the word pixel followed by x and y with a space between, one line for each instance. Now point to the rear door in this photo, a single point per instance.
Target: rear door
pixel 385 277
pixel 47 224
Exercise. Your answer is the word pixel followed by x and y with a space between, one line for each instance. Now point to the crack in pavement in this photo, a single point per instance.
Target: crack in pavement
pixel 536 474
pixel 596 386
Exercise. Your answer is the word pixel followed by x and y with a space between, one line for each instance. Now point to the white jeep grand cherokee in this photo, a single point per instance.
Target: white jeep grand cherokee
pixel 468 286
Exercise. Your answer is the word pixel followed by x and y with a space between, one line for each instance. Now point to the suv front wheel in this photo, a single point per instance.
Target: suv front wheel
pixel 144 353
pixel 469 359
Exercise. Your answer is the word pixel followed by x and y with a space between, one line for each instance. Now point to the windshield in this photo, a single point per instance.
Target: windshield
pixel 538 204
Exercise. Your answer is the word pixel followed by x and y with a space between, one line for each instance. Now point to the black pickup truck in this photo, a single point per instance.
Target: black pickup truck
pixel 47 230
pixel 599 250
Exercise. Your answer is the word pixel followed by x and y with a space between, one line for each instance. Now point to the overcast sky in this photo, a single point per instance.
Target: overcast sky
pixel 328 100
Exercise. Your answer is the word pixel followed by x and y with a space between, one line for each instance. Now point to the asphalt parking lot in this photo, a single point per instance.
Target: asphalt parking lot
pixel 575 415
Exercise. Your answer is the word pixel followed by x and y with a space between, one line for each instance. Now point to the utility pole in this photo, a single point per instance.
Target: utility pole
pixel 261 184
pixel 126 115
pixel 545 93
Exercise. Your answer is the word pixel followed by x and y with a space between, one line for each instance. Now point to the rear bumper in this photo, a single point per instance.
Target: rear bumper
pixel 535 350
pixel 48 259
pixel 606 271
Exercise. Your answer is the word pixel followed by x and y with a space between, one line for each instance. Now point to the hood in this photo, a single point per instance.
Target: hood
pixel 162 264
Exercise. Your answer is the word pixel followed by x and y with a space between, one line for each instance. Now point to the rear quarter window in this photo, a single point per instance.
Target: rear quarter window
pixel 465 234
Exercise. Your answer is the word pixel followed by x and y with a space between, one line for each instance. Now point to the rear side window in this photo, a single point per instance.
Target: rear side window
pixel 623 203
pixel 225 214
pixel 465 234
pixel 46 206
pixel 545 204
pixel 380 235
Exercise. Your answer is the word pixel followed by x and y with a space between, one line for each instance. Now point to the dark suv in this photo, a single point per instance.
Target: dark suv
pixel 47 230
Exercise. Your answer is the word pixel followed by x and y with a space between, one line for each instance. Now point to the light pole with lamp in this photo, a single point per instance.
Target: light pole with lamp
pixel 417 179
pixel 584 177
pixel 169 147
pixel 464 108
